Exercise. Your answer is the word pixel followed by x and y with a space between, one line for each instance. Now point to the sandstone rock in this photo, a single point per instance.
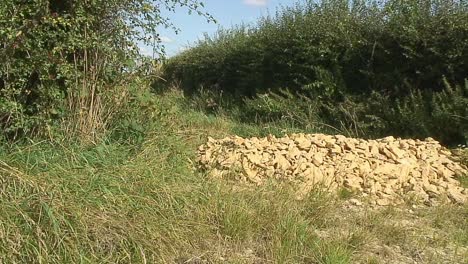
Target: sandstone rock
pixel 304 144
pixel 255 158
pixel 443 172
pixel 269 172
pixel 383 202
pixel 363 146
pixel 350 145
pixel 293 153
pixel 383 169
pixel 386 168
pixel 281 162
pixel 431 190
pixel 384 150
pixel 317 159
pixel 398 152
pixel 445 152
pixel 355 202
pixel 374 149
pixel 388 190
pixel 404 145
pixel 456 196
pixel 354 183
pixel 349 157
pixel 423 156
pixel 388 139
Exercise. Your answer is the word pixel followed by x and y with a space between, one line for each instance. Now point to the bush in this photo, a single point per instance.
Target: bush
pixel 442 115
pixel 358 67
pixel 66 59
pixel 364 46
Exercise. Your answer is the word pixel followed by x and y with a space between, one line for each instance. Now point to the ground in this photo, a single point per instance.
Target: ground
pixel 143 202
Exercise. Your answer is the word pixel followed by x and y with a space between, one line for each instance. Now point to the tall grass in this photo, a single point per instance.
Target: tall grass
pixel 442 115
pixel 121 202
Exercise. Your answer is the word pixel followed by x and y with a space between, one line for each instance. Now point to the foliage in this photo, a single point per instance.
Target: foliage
pixel 334 46
pixel 364 68
pixel 63 59
pixel 442 115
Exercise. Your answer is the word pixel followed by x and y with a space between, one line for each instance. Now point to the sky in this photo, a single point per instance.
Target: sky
pixel 227 13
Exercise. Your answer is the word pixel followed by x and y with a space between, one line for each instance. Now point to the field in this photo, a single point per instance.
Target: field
pixel 143 203
pixel 99 144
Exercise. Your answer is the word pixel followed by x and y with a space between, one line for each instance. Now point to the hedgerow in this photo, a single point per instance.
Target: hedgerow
pixel 340 52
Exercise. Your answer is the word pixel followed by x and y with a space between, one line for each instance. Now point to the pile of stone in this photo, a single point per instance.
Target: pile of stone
pixel 386 171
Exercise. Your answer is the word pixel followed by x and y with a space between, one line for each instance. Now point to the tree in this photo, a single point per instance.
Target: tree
pixel 59 56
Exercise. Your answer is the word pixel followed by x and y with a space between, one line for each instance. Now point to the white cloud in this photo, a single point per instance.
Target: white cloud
pixel 165 39
pixel 146 50
pixel 256 2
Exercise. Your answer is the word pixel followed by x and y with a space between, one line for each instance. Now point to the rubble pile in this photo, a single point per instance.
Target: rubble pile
pixel 385 170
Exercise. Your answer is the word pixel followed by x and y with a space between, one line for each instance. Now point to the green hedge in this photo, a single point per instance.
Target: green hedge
pixel 339 51
pixel 355 46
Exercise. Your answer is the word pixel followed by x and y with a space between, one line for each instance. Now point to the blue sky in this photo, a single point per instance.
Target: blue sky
pixel 226 12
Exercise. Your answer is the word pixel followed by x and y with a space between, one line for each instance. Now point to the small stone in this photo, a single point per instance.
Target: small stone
pixel 383 202
pixel 386 169
pixel 317 159
pixel 398 152
pixel 456 196
pixel 388 139
pixel 355 202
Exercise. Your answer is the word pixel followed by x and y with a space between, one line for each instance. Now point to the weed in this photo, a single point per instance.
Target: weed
pixel 345 193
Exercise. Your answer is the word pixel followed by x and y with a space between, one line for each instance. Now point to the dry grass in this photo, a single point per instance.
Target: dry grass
pixel 120 203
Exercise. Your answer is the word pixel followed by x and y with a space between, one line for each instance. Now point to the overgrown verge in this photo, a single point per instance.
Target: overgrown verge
pixel 115 202
pixel 442 115
pixel 359 67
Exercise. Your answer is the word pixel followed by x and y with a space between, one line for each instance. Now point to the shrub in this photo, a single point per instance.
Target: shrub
pixel 63 59
pixel 356 67
pixel 365 46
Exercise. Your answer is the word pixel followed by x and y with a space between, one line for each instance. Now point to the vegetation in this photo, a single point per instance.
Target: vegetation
pixel 366 68
pixel 72 61
pixel 126 202
pixel 97 168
